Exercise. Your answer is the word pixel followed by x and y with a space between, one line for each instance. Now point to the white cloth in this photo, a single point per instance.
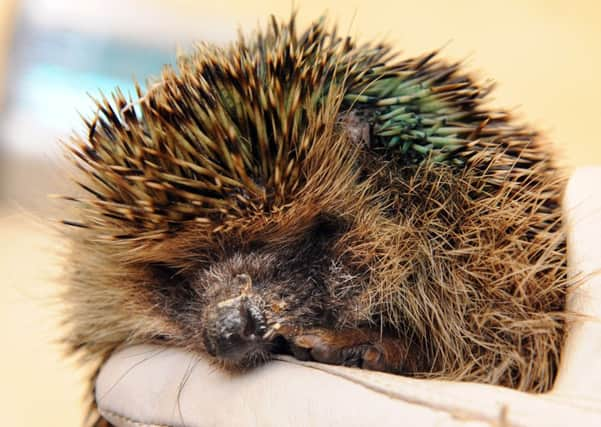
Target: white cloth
pixel 156 386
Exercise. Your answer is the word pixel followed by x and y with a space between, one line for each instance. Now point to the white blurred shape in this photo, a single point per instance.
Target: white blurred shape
pixel 129 19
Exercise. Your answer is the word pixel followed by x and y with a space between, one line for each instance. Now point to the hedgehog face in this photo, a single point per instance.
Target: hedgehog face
pixel 249 297
pixel 240 303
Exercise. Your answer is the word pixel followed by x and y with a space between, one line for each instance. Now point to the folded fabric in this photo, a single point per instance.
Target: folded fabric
pixel 161 386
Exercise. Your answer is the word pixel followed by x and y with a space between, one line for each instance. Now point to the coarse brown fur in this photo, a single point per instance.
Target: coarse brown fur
pixel 260 174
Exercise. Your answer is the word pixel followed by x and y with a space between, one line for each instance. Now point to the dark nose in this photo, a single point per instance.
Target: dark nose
pixel 237 330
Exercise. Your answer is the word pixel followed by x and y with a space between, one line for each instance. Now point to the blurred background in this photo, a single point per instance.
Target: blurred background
pixel 545 56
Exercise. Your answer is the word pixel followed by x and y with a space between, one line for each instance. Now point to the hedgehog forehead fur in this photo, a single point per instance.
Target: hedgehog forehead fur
pixel 409 204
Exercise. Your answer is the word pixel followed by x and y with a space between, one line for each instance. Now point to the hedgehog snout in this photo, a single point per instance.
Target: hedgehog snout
pixel 235 328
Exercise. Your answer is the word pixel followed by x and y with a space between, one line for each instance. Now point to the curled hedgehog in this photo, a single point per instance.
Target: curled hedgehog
pixel 297 193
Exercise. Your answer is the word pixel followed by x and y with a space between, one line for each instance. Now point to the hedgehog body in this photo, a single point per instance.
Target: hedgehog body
pixel 298 193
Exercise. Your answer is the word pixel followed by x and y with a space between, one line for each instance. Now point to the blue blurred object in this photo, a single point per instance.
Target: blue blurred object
pixel 50 92
pixel 53 71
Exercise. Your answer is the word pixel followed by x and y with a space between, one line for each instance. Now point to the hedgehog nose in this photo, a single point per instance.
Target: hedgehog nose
pixel 238 329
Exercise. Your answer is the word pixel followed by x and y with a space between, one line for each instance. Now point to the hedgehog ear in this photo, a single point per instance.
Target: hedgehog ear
pixel 243 281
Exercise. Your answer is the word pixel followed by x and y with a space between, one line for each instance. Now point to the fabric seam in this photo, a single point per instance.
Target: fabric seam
pixel 131 421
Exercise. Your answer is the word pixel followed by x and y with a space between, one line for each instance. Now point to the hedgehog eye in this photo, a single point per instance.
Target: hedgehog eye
pixel 170 282
pixel 329 225
pixel 162 272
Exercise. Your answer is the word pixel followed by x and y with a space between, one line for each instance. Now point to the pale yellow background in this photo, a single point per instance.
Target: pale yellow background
pixel 545 55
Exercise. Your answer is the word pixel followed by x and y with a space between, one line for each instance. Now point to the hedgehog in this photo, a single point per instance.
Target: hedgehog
pixel 297 193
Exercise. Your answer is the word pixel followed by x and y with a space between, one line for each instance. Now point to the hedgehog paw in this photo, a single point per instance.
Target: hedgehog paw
pixel 349 348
